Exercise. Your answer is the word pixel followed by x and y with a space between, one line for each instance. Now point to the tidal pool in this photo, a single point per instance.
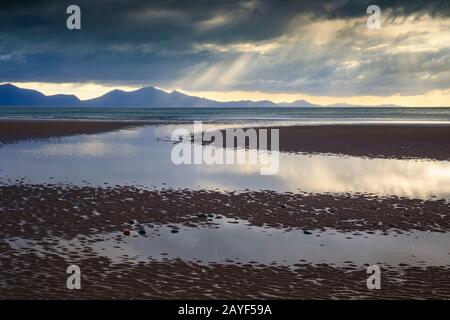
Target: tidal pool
pixel 142 157
pixel 228 240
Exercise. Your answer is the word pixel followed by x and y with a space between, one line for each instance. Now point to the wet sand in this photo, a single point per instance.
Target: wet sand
pixel 33 277
pixel 40 211
pixel 401 141
pixel 390 141
pixel 17 130
pixel 66 211
pixel 69 210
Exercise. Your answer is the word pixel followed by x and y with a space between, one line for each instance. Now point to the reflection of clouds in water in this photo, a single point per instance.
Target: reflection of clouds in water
pixel 337 174
pixel 138 156
pixel 239 241
pixel 439 171
pixel 90 149
pixel 128 133
pixel 321 173
pixel 251 163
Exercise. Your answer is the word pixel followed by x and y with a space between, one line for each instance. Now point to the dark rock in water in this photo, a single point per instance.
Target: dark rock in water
pixel 307 232
pixel 142 232
pixel 283 206
pixel 130 221
pixel 202 216
pixel 218 217
pixel 210 215
pixel 126 232
pixel 174 231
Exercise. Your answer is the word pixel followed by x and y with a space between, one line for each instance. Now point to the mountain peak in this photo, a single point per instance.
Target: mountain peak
pixel 10 95
pixel 297 103
pixel 7 85
pixel 148 88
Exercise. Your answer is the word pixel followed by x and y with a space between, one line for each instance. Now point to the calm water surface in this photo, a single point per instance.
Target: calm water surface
pixel 233 240
pixel 141 156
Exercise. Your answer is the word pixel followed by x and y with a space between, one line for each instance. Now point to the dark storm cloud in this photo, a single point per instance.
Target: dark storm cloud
pixel 157 42
pixel 113 21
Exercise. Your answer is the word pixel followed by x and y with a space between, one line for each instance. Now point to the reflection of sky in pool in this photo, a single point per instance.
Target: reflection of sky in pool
pixel 235 241
pixel 141 156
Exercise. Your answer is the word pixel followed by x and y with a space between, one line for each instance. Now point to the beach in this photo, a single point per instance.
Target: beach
pixel 139 241
pixel 384 140
pixel 19 130
pixel 229 152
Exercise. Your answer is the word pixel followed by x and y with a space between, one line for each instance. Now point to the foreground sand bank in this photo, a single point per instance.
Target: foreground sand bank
pixel 17 130
pixel 38 272
pixel 401 141
pixel 368 140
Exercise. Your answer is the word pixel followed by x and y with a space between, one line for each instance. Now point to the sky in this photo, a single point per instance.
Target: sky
pixel 321 51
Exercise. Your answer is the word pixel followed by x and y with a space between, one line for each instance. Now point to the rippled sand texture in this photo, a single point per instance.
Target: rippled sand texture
pixel 140 227
pixel 316 252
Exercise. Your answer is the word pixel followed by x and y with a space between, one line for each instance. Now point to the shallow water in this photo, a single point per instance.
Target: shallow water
pixel 142 156
pixel 235 241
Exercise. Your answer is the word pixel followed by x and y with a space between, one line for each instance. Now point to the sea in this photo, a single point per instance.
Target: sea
pixel 278 114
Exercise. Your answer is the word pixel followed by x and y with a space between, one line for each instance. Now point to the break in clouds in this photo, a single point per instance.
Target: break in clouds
pixel 312 47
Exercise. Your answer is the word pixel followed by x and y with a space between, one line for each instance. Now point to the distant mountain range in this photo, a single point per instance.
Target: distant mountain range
pixel 11 95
